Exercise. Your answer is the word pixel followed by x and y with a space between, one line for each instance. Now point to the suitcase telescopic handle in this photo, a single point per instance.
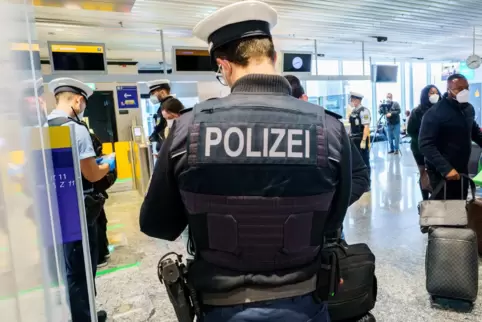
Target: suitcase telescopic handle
pixel 443 184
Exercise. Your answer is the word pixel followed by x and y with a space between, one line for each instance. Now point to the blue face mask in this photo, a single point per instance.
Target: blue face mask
pixel 154 100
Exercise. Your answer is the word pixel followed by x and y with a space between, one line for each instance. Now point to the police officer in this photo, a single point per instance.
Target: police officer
pixel 160 92
pixel 258 176
pixel 360 120
pixel 71 98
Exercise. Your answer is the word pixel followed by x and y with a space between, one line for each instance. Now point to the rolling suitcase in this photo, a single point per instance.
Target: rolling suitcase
pixel 358 293
pixel 452 263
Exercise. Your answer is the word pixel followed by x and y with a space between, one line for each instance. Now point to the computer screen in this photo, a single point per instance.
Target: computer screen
pixel 193 60
pixel 296 63
pixel 77 57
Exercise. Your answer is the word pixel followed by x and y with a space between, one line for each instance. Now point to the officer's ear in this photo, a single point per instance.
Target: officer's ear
pixel 304 97
pixel 225 65
pixel 275 58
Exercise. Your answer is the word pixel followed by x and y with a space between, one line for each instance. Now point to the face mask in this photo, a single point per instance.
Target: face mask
pixel 463 96
pixel 169 123
pixel 434 98
pixel 154 99
pixel 389 100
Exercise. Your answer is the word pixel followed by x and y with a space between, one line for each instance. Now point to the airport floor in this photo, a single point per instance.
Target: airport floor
pixel 386 219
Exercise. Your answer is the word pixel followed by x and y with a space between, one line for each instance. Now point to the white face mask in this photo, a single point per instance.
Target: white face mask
pixel 434 98
pixel 154 99
pixel 463 96
pixel 169 123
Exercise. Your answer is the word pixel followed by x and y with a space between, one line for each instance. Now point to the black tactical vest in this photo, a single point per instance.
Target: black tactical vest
pixel 356 122
pixel 259 185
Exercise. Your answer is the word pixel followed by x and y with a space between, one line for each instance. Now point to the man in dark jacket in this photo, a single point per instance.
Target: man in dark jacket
pixel 446 136
pixel 430 96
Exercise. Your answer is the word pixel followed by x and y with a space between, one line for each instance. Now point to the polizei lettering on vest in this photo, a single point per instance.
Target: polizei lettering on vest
pixel 264 142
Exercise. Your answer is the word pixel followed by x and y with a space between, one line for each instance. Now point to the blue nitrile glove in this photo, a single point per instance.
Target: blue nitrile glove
pixel 110 162
pixel 99 160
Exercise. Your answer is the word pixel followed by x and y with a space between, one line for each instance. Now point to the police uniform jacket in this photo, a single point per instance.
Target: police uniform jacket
pixel 259 176
pixel 359 117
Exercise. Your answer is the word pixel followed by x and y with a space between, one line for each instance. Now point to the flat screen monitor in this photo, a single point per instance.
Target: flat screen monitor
pixel 297 63
pixel 77 57
pixel 385 73
pixel 192 60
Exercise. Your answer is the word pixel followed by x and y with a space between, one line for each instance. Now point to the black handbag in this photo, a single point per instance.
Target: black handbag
pixel 358 293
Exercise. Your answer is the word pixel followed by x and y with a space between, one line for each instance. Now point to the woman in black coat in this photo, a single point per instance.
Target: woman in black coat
pixel 430 96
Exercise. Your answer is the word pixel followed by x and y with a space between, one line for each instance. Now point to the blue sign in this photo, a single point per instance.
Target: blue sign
pixel 66 190
pixel 127 97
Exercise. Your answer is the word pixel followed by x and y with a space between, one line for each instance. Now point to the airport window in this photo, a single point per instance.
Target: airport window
pixel 436 77
pixel 408 88
pixel 326 67
pixel 419 72
pixel 355 67
pixel 329 94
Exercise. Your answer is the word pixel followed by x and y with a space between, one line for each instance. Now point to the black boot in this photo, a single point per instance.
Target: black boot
pixel 367 318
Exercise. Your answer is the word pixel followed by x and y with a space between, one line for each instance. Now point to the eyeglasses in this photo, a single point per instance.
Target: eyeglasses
pixel 220 77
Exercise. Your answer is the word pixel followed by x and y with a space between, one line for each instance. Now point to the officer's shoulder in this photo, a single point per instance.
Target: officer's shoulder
pixel 335 115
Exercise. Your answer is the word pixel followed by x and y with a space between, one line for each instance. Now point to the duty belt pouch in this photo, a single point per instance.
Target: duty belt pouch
pixel 448 213
pixel 93 206
pixel 358 293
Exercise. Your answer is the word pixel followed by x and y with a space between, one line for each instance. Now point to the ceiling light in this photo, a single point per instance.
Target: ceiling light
pixel 59 29
pixel 72 6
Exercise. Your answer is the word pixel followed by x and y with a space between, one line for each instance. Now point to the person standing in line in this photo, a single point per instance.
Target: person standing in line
pixel 429 96
pixel 238 168
pixel 391 110
pixel 360 120
pixel 445 139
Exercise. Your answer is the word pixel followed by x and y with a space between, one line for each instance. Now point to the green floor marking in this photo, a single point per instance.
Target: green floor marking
pixel 113 227
pixel 123 180
pixel 116 269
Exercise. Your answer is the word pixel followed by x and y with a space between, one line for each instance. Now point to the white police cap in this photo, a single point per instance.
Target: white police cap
pixel 70 85
pixel 155 84
pixel 236 21
pixel 356 95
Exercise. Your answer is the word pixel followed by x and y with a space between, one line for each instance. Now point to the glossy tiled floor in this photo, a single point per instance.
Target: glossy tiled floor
pixel 386 219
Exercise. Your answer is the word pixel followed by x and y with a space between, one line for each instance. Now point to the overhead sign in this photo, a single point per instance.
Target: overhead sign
pixel 127 97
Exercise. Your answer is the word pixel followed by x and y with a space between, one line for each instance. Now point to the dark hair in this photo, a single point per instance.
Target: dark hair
pixel 173 105
pixel 455 76
pixel 242 50
pixel 296 89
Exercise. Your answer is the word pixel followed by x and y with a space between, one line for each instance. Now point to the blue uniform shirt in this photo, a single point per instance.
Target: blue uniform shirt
pixel 82 137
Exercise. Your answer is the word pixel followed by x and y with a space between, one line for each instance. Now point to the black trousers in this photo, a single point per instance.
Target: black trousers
pixel 453 190
pixel 365 154
pixel 76 279
pixel 102 241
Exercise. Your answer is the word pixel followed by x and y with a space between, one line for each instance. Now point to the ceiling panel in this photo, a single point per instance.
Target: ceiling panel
pixel 433 30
